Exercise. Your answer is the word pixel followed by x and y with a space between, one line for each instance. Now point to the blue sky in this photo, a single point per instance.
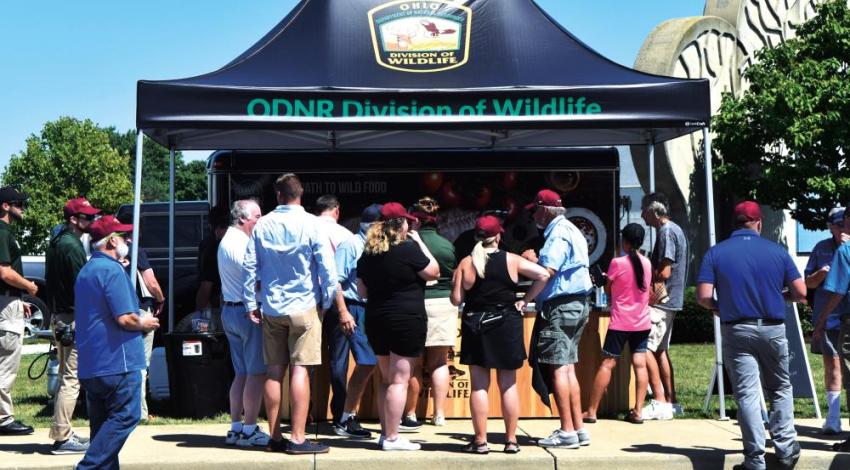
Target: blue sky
pixel 83 58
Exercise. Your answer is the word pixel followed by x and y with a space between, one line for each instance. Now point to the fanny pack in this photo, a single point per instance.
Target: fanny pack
pixel 483 322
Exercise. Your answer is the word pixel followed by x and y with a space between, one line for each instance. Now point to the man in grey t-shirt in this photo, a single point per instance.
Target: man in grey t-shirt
pixel 669 267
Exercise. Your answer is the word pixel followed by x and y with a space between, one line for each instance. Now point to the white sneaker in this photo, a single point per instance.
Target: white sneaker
pixel 400 443
pixel 232 437
pixel 439 420
pixel 665 411
pixel 257 439
pixel 560 439
pixel 583 437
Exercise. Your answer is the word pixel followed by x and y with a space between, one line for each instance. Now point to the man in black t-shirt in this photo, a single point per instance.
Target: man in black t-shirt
pixel 12 309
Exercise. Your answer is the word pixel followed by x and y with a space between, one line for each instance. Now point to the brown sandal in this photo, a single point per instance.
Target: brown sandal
pixel 479 448
pixel 511 447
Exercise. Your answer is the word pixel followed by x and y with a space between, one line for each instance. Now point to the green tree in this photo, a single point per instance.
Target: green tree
pixel 69 158
pixel 784 142
pixel 190 179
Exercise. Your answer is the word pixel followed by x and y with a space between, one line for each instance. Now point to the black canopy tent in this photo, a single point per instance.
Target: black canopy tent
pixel 341 75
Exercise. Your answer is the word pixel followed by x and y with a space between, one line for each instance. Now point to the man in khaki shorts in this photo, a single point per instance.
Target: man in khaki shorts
pixel 669 267
pixel 294 267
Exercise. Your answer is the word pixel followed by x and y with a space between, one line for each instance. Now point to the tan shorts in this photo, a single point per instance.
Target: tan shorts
pixel 662 329
pixel 442 322
pixel 293 339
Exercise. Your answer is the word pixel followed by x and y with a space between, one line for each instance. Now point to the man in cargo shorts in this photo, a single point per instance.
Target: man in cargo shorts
pixel 669 267
pixel 295 270
pixel 563 309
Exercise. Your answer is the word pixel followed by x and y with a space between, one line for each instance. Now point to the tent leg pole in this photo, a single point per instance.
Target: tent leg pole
pixel 171 240
pixel 650 150
pixel 712 239
pixel 137 202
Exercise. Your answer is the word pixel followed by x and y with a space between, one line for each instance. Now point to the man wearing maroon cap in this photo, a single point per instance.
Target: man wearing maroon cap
pixel 109 343
pixel 749 274
pixel 64 258
pixel 562 311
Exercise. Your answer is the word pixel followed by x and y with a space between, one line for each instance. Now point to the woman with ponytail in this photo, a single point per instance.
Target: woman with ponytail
pixel 491 331
pixel 391 276
pixel 629 286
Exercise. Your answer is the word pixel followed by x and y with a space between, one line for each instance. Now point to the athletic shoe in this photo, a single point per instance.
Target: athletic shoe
pixel 306 447
pixel 583 437
pixel 561 439
pixel 256 439
pixel 665 412
pixel 400 443
pixel 69 446
pixel 788 463
pixel 232 437
pixel 351 428
pixel 86 440
pixel 409 425
pixel 657 410
pixel 678 410
pixel 439 420
pixel 831 426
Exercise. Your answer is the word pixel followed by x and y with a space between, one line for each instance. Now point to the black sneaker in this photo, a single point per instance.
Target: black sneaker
pixel 306 447
pixel 791 461
pixel 15 428
pixel 351 428
pixel 409 425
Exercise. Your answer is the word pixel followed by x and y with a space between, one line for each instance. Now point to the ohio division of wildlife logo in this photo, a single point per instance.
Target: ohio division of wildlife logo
pixel 427 36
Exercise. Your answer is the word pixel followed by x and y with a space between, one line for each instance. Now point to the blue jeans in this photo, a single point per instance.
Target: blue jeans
pixel 339 345
pixel 114 404
pixel 757 358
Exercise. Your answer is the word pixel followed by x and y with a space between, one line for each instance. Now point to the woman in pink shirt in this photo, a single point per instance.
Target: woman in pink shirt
pixel 628 284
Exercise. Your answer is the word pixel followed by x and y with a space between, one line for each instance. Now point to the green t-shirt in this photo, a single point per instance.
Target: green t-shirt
pixel 10 254
pixel 444 253
pixel 64 259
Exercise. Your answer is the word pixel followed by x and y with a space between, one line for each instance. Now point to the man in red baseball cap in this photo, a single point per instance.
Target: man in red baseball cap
pixel 109 341
pixel 563 309
pixel 64 258
pixel 748 273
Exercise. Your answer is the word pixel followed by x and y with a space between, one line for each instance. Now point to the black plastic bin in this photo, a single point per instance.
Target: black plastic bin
pixel 199 373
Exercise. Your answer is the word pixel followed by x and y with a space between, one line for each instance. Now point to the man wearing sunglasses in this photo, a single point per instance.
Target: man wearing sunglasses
pixel 64 258
pixel 12 308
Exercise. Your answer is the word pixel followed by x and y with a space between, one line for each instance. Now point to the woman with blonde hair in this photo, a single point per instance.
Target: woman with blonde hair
pixel 442 315
pixel 391 276
pixel 492 329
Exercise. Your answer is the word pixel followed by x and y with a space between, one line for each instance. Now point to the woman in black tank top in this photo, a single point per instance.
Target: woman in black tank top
pixel 491 330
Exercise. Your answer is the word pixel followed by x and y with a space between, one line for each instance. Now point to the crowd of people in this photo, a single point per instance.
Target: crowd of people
pixel 292 283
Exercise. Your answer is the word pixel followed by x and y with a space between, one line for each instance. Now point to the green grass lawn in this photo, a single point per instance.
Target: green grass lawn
pixel 692 364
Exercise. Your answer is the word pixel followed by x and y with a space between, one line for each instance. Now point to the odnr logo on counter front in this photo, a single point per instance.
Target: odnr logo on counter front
pixel 427 36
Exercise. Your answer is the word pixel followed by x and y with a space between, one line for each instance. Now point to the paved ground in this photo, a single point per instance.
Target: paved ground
pixel 683 444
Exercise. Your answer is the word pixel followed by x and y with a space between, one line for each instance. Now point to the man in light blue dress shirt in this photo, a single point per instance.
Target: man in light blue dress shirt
pixel 295 269
pixel 562 312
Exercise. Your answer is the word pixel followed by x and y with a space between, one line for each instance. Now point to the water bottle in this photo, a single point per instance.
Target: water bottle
pixel 52 374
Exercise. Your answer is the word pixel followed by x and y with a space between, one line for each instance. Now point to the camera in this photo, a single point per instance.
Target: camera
pixel 64 334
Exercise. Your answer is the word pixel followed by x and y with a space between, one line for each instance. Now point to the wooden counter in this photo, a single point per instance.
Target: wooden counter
pixel 619 397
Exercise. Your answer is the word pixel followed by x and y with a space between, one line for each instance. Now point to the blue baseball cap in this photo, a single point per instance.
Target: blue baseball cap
pixel 371 214
pixel 836 216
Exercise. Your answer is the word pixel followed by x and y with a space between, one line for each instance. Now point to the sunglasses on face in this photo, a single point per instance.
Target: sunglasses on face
pixel 87 217
pixel 18 204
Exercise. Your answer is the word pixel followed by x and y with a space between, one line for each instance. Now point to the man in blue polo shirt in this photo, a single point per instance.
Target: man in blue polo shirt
pixel 562 315
pixel 111 354
pixel 749 274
